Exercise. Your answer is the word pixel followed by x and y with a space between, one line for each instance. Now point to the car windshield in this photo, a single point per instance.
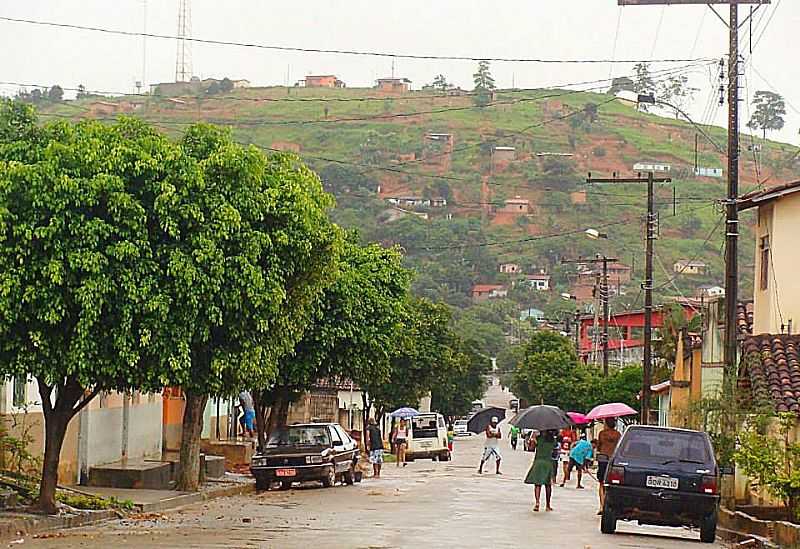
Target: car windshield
pixel 300 435
pixel 423 427
pixel 665 446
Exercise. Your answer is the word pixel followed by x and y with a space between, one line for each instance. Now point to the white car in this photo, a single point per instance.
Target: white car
pixel 460 428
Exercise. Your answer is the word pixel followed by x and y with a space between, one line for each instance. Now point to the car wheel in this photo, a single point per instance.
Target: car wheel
pixel 349 476
pixel 708 528
pixel 444 456
pixel 330 477
pixel 608 524
pixel 286 485
pixel 262 484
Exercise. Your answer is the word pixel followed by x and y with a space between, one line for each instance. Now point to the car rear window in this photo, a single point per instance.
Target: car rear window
pixel 424 427
pixel 665 446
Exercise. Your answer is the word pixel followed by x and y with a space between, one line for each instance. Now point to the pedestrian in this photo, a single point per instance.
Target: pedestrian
pixel 514 436
pixel 400 442
pixel 375 446
pixel 579 458
pixel 541 471
pixel 249 416
pixel 492 446
pixel 451 437
pixel 607 442
pixel 568 438
pixel 556 456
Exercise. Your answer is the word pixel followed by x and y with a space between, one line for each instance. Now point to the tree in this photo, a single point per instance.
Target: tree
pixel 460 382
pixel 246 249
pixel 352 331
pixel 620 84
pixel 768 112
pixel 676 90
pixel 81 92
pixel 643 82
pixel 226 85
pixel 214 88
pixel 484 84
pixel 55 94
pixel 78 306
pixel 36 96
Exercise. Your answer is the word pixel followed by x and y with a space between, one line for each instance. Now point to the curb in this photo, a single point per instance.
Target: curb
pixel 28 525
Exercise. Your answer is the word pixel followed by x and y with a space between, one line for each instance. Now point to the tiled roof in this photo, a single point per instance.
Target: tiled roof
pixel 763 196
pixel 744 318
pixel 771 369
pixel 483 288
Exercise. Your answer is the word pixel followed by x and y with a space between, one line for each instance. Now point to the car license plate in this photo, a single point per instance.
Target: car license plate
pixel 286 472
pixel 662 482
pixel 426 444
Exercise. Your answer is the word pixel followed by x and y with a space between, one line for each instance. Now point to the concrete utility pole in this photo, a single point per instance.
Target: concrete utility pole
pixel 648 278
pixel 604 294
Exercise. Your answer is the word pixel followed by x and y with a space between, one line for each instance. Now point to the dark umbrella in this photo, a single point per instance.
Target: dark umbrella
pixel 541 418
pixel 478 421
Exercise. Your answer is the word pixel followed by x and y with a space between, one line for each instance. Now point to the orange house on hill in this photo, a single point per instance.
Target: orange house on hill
pixel 323 81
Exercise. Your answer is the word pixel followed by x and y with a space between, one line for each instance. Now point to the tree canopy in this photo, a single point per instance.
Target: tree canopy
pixel 769 110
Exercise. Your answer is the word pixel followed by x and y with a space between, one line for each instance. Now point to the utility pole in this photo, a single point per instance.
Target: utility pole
pixel 604 294
pixel 647 286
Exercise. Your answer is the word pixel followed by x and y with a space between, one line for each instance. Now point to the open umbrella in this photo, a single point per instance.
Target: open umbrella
pixel 479 420
pixel 541 418
pixel 612 409
pixel 578 418
pixel 404 413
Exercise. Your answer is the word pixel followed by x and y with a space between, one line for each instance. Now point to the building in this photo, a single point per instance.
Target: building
pixel 706 291
pixel 690 267
pixel 504 155
pixel 619 274
pixel 323 81
pixel 651 167
pixel 777 294
pixel 539 282
pixel 516 205
pixel 484 292
pixel 510 268
pixel 536 315
pixel 393 85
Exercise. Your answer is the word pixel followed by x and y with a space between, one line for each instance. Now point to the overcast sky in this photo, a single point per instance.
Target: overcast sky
pixel 563 29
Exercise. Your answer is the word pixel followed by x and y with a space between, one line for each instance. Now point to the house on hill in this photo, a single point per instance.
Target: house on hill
pixel 516 205
pixel 484 292
pixel 323 81
pixel 393 85
pixel 510 268
pixel 539 282
pixel 689 267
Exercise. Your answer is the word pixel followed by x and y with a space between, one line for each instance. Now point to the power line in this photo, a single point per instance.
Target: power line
pixel 694 258
pixel 118 32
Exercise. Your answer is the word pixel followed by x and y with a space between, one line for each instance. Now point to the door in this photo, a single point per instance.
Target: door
pixel 338 449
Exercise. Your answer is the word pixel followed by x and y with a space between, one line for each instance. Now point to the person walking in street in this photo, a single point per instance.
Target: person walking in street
pixel 607 442
pixel 375 447
pixel 579 457
pixel 541 471
pixel 514 436
pixel 401 442
pixel 491 446
pixel 249 413
pixel 567 438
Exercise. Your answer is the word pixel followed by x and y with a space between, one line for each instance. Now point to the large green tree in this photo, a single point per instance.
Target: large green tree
pixel 245 247
pixel 769 110
pixel 352 332
pixel 484 84
pixel 462 382
pixel 78 299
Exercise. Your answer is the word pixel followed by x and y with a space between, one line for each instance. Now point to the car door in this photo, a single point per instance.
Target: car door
pixel 349 448
pixel 338 449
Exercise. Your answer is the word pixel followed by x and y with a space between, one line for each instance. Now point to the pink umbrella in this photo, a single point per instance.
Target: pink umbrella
pixel 578 418
pixel 613 409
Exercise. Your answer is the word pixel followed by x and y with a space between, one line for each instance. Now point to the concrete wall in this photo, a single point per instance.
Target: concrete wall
pixel 780 302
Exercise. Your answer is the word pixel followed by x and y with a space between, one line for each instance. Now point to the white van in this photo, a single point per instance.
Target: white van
pixel 427 438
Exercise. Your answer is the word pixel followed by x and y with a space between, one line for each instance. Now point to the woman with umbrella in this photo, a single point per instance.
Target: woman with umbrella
pixel 400 441
pixel 541 471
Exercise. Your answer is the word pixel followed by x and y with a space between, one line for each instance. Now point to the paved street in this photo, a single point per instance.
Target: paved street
pixel 425 505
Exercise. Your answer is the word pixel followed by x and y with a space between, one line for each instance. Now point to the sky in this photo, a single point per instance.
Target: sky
pixel 564 29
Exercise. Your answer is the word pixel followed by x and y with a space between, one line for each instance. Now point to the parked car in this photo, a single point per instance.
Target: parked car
pixel 460 428
pixel 663 476
pixel 313 451
pixel 427 438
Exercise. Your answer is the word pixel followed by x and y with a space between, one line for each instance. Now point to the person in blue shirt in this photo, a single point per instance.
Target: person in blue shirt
pixel 578 456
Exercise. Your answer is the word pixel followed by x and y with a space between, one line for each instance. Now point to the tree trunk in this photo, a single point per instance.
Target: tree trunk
pixel 55 429
pixel 278 414
pixel 189 475
pixel 261 422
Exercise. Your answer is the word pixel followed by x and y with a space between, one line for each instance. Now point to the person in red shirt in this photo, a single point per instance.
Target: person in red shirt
pixel 568 438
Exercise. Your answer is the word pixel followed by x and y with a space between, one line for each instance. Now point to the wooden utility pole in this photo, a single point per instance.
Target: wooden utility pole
pixel 647 286
pixel 604 294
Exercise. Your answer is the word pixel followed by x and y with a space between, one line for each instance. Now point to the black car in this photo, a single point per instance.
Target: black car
pixel 663 476
pixel 315 451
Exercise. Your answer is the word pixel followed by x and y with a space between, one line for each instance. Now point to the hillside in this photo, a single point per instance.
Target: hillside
pixel 361 142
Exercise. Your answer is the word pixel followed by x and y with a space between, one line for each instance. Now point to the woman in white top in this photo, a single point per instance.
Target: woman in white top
pixel 401 442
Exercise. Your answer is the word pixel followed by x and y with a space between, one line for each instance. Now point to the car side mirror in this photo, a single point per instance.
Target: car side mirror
pixel 338 443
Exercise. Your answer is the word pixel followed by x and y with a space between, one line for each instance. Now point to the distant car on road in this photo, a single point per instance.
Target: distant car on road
pixel 313 451
pixel 460 428
pixel 663 476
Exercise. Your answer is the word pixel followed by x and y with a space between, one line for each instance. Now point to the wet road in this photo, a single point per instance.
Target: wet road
pixel 426 505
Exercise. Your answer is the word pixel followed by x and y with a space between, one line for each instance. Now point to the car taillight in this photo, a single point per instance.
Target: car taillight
pixel 709 485
pixel 616 475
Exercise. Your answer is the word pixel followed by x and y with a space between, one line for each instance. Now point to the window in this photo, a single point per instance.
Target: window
pixel 335 435
pixel 765 261
pixel 19 398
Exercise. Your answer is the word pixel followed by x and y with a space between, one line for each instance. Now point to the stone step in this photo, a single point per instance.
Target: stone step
pixel 153 475
pixel 215 466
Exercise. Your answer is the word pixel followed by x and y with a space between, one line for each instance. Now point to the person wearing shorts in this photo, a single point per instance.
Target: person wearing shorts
pixel 607 442
pixel 375 445
pixel 579 455
pixel 249 417
pixel 491 447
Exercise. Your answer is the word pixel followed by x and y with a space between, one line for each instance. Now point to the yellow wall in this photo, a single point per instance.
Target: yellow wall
pixel 780 302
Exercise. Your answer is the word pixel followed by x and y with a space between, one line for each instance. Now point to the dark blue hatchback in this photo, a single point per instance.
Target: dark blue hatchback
pixel 663 476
